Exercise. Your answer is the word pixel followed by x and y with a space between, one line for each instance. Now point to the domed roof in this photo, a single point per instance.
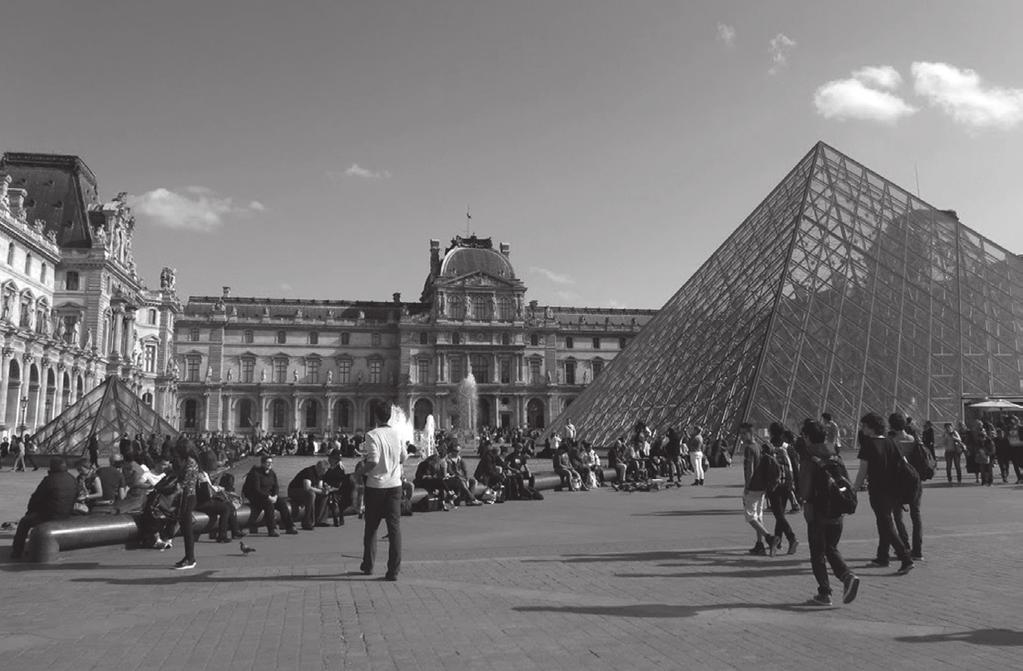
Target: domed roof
pixel 466 260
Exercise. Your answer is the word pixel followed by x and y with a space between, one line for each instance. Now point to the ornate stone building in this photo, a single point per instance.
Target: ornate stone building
pixel 74 307
pixel 259 364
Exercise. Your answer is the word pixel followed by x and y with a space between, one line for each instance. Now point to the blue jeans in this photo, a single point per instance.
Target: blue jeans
pixel 382 504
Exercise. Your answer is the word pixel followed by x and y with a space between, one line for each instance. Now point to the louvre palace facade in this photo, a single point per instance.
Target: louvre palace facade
pixel 267 365
pixel 75 309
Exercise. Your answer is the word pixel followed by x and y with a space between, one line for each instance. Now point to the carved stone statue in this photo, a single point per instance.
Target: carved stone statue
pixel 330 377
pixel 168 278
pixel 99 233
pixel 262 375
pixel 440 303
pixel 76 334
pixel 548 312
pixel 229 374
pixel 518 307
pixel 8 297
pixel 88 337
pixel 294 376
pixel 209 373
pixel 61 328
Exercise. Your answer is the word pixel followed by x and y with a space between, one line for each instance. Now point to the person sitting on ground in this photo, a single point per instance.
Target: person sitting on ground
pixel 262 491
pixel 112 481
pixel 306 491
pixel 53 499
pixel 456 478
pixel 617 458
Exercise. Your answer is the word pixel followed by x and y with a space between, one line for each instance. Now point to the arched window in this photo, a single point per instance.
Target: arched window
pixel 10 253
pixel 28 263
pixel 42 272
pixel 147 398
pixel 312 413
pixel 344 414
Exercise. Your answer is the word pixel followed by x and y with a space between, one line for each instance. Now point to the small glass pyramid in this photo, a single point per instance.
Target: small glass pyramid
pixel 108 412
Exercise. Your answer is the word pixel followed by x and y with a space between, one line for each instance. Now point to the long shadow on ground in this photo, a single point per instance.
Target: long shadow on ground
pixel 998 637
pixel 662 610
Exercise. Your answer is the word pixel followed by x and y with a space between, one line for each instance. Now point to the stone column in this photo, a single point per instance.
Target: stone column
pixel 295 424
pixel 5 374
pixel 205 424
pixel 328 426
pixel 129 332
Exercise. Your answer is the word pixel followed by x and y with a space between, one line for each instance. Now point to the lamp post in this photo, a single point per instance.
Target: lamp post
pixel 24 415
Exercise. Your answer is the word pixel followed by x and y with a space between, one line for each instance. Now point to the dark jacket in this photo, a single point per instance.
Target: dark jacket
pixel 55 496
pixel 259 483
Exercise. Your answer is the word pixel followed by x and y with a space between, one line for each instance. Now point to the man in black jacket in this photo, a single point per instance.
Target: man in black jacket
pixel 307 490
pixel 53 499
pixel 261 489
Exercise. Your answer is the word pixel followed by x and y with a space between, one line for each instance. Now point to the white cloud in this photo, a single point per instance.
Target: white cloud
pixel 861 96
pixel 195 208
pixel 567 296
pixel 879 76
pixel 358 171
pixel 557 278
pixel 726 34
pixel 961 94
pixel 780 47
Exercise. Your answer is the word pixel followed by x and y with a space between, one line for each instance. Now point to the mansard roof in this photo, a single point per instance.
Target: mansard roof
pixel 61 190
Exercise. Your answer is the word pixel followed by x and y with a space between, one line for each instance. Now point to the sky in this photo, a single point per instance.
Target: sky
pixel 312 149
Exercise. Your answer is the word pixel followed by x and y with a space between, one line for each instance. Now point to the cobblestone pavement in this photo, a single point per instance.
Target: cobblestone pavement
pixel 595 580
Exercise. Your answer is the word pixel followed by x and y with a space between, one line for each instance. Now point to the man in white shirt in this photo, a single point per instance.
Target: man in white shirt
pixel 384 455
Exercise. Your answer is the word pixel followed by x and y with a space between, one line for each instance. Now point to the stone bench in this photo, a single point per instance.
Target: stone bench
pixel 47 540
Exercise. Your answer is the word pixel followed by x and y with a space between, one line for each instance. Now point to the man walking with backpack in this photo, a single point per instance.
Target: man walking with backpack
pixel 878 460
pixel 828 496
pixel 916 454
pixel 779 488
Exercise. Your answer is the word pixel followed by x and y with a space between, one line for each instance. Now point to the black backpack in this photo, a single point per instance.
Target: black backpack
pixel 922 461
pixel 834 495
pixel 905 481
pixel 772 474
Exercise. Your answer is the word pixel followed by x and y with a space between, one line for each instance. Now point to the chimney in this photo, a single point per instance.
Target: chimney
pixel 533 305
pixel 505 249
pixel 396 296
pixel 227 292
pixel 435 257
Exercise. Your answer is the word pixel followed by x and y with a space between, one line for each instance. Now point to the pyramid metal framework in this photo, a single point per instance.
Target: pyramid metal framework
pixel 840 293
pixel 108 411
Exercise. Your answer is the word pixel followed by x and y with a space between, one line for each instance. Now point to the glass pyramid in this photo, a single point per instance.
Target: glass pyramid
pixel 840 293
pixel 108 411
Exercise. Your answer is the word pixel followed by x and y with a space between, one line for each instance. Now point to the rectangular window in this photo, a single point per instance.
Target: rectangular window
pixel 152 316
pixel 376 340
pixel 622 342
pixel 479 308
pixel 596 343
pixel 455 368
pixel 346 338
pixel 344 371
pixel 247 337
pixel 312 371
pixel 570 372
pixel 423 373
pixel 280 370
pixel 505 371
pixel 481 367
pixel 376 367
pixel 71 280
pixel 534 339
pixel 193 335
pixel 569 342
pixel 42 272
pixel 534 371
pixel 150 358
pixel 248 369
pixel 314 338
pixel 456 307
pixel 282 337
pixel 192 370
pixel 598 367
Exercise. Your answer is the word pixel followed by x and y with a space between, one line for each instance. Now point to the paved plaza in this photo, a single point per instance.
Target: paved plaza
pixel 598 580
